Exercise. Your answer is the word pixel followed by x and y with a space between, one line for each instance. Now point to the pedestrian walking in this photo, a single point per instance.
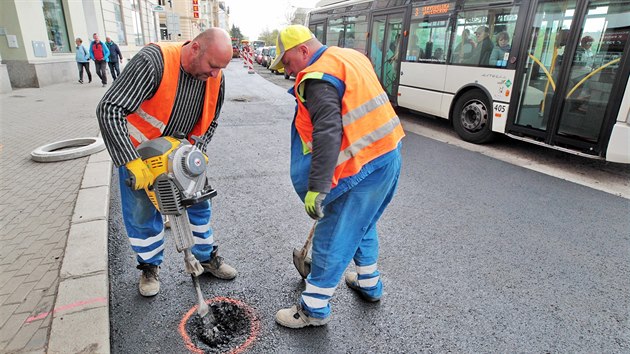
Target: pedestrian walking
pixel 169 88
pixel 83 60
pixel 345 163
pixel 100 54
pixel 114 56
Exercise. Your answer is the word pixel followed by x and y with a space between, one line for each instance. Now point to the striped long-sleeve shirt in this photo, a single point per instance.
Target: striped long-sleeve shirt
pixel 138 83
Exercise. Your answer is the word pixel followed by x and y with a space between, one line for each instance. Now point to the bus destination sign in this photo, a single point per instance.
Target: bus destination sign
pixel 432 10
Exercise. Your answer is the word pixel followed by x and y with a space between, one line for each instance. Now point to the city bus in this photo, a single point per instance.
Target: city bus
pixel 258 44
pixel 549 72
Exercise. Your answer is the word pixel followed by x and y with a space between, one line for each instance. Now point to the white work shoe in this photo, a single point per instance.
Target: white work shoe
pixel 352 280
pixel 149 279
pixel 294 317
pixel 217 267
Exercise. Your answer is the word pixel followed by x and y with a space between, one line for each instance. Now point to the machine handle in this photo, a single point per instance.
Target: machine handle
pixel 130 182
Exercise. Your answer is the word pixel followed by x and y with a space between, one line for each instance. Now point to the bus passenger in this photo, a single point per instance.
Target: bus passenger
pixel 414 52
pixel 463 51
pixel 584 54
pixel 497 57
pixel 481 53
pixel 344 166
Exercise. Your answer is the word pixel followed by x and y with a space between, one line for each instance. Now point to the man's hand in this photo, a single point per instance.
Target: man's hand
pixel 313 204
pixel 141 175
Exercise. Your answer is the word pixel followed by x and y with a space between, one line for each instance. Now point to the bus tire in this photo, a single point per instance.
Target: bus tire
pixel 472 117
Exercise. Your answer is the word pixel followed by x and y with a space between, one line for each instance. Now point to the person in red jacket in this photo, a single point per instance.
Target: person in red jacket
pixel 100 54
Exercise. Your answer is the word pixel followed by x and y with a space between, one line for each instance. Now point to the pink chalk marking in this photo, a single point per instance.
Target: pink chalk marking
pixel 65 307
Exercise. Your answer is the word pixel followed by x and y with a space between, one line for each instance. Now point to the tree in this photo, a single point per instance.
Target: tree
pixel 235 32
pixel 269 36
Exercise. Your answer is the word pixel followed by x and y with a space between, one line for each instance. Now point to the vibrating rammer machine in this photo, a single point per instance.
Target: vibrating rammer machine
pixel 181 180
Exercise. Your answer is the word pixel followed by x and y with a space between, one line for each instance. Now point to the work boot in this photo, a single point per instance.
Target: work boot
pixel 294 317
pixel 352 279
pixel 217 267
pixel 149 279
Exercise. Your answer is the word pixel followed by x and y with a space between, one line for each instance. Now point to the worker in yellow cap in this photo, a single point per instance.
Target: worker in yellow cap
pixel 345 163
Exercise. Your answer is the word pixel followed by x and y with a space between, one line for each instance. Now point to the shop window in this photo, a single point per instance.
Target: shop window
pixel 120 24
pixel 137 23
pixel 56 26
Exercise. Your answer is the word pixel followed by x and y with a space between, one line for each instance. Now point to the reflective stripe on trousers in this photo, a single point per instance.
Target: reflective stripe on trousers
pixel 348 231
pixel 145 227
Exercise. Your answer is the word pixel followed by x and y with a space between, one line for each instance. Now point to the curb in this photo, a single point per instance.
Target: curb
pixel 80 322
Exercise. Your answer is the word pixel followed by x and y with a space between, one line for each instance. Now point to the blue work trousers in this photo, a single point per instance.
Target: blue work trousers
pixel 346 232
pixel 145 227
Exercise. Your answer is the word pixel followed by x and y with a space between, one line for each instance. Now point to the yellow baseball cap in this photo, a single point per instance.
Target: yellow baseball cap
pixel 288 38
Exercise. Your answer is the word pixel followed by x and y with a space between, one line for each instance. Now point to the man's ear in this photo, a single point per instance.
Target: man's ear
pixel 195 48
pixel 303 48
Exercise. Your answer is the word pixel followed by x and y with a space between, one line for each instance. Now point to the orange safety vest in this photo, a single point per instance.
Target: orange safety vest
pixel 150 119
pixel 371 128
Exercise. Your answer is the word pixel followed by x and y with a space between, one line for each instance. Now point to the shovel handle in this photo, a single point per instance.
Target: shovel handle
pixel 309 239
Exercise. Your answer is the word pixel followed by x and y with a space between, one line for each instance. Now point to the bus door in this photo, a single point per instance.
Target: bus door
pixel 386 49
pixel 572 64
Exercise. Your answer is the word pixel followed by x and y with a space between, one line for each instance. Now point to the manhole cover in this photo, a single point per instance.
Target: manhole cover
pixel 234 330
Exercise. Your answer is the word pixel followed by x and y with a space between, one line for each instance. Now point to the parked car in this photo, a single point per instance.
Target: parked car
pixel 269 56
pixel 265 56
pixel 258 55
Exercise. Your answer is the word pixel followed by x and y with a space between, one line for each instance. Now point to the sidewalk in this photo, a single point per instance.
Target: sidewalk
pixel 47 284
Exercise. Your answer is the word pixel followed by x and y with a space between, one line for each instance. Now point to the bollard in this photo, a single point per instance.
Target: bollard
pixel 250 62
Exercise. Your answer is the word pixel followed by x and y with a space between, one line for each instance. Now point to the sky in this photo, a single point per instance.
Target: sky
pixel 254 16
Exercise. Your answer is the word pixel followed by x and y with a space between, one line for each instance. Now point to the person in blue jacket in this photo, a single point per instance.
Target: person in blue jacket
pixel 114 55
pixel 83 60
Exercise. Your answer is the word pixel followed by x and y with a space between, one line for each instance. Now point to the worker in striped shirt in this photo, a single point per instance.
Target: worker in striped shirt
pixel 166 88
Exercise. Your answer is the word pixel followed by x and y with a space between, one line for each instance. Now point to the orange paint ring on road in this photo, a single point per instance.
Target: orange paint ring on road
pixel 254 325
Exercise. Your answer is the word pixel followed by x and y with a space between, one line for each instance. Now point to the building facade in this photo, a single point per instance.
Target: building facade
pixel 38 48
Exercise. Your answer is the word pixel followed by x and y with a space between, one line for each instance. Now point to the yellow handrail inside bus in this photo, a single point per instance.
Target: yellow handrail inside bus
pixel 549 78
pixel 542 66
pixel 591 74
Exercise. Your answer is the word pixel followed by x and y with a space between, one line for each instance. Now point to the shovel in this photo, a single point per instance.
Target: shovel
pixel 301 260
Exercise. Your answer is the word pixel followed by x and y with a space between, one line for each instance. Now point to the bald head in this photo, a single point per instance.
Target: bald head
pixel 216 40
pixel 207 54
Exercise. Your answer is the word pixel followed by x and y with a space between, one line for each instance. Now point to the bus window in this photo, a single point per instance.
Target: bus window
pixel 318 31
pixel 484 37
pixel 428 41
pixel 334 35
pixel 356 33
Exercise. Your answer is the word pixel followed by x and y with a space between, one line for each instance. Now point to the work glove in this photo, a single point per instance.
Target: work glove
pixel 313 204
pixel 141 176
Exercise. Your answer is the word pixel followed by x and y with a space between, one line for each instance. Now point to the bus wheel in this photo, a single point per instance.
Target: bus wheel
pixel 472 117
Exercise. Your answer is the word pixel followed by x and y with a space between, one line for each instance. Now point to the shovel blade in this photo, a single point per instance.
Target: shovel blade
pixel 301 262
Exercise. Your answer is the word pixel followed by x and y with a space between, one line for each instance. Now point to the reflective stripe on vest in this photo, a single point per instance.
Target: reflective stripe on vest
pixel 150 120
pixel 371 128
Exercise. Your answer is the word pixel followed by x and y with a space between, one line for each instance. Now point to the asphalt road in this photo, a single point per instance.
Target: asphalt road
pixel 477 254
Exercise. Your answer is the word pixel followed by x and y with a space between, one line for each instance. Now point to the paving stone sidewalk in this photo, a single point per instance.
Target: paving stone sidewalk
pixel 37 204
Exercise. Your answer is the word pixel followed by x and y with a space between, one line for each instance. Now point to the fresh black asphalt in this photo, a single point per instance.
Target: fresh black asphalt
pixel 477 255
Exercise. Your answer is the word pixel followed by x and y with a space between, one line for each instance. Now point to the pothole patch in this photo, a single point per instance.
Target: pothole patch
pixel 234 330
pixel 243 99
